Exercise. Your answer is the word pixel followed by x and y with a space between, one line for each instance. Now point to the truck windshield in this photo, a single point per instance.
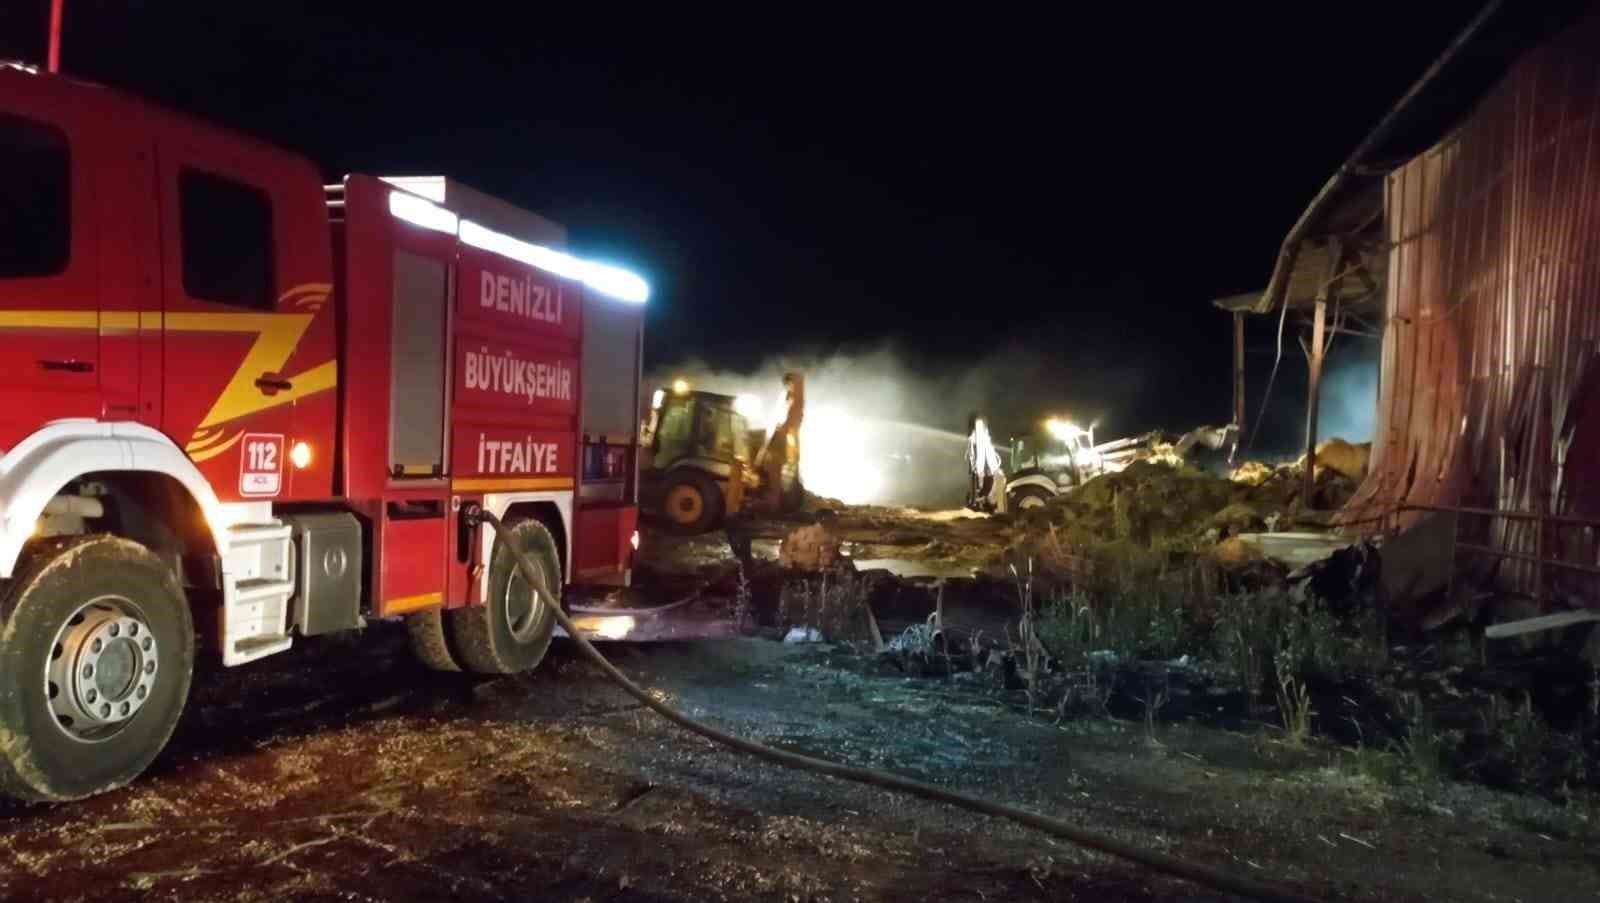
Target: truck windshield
pixel 34 199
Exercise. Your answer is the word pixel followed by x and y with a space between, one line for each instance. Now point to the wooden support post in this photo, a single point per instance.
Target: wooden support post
pixel 1313 398
pixel 1314 354
pixel 1238 370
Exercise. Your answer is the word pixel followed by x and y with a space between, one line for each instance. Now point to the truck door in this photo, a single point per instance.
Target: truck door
pixel 49 318
pixel 129 243
pixel 225 397
pixel 416 526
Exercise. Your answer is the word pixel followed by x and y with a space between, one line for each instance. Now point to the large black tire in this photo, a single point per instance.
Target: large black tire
pixel 511 631
pixel 91 623
pixel 428 641
pixel 693 502
pixel 1029 497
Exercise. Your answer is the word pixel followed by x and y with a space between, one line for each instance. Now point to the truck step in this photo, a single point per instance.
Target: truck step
pixel 259 567
pixel 258 534
pixel 259 646
pixel 252 590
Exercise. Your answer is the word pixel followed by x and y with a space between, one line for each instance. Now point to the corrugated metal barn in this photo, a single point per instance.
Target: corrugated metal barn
pixel 1488 423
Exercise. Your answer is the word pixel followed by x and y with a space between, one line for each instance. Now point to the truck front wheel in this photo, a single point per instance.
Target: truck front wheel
pixel 511 630
pixel 96 654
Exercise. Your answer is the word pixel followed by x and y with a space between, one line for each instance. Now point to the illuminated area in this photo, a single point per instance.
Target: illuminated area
pixel 419 212
pixel 1065 430
pixel 749 406
pixel 604 278
pixel 837 457
pixel 300 455
pixel 680 387
pixel 608 280
pixel 605 627
pixel 614 281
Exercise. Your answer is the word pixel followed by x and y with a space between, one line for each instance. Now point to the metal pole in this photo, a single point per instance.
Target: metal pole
pixel 1312 398
pixel 1238 370
pixel 54 64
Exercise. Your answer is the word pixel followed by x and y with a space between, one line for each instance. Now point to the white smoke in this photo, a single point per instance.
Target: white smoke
pixel 1349 405
pixel 866 438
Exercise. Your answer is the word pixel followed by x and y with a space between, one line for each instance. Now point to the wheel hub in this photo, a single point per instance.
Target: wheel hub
pixel 102 670
pixel 522 606
pixel 684 504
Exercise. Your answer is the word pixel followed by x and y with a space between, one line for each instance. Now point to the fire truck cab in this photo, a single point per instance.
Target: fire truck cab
pixel 239 406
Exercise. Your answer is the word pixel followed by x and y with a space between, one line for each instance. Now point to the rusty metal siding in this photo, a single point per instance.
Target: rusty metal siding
pixel 1492 323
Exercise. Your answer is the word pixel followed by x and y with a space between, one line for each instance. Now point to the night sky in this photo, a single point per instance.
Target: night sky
pixel 1069 188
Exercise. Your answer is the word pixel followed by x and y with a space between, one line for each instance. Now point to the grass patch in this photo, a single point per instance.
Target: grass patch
pixel 1573 820
pixel 835 605
pixel 1294 706
pixel 1152 624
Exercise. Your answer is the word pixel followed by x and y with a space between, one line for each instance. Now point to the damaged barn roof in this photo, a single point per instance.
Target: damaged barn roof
pixel 1350 204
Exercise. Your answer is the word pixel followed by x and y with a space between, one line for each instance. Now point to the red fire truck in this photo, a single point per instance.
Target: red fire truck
pixel 239 406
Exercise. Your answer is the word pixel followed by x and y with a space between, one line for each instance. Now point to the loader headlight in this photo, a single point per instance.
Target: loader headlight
pixel 1065 430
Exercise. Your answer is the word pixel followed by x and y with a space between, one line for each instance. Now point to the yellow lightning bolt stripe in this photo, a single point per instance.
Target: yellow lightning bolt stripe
pixel 208 454
pixel 49 319
pixel 308 288
pixel 277 336
pixel 119 321
pixel 203 438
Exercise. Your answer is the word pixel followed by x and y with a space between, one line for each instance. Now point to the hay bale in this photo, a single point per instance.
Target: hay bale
pixel 810 548
pixel 1344 458
pixel 1238 517
pixel 1236 552
pixel 1251 473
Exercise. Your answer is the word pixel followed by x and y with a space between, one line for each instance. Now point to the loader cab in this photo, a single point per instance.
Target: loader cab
pixel 704 425
pixel 1049 461
pixel 699 449
pixel 1065 461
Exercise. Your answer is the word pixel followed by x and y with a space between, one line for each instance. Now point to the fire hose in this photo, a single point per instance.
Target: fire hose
pixel 1200 874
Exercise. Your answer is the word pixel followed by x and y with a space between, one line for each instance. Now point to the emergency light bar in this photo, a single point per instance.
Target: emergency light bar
pixel 604 278
pixel 419 212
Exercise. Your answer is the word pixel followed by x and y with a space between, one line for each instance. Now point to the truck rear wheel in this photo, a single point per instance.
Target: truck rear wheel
pixel 511 631
pixel 96 655
pixel 694 502
pixel 428 641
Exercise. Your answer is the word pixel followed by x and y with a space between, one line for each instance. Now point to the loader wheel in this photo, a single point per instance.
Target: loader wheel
pixel 96 654
pixel 511 631
pixel 428 641
pixel 694 502
pixel 1030 497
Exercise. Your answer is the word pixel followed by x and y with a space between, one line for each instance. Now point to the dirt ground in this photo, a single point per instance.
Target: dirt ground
pixel 344 771
pixel 325 774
